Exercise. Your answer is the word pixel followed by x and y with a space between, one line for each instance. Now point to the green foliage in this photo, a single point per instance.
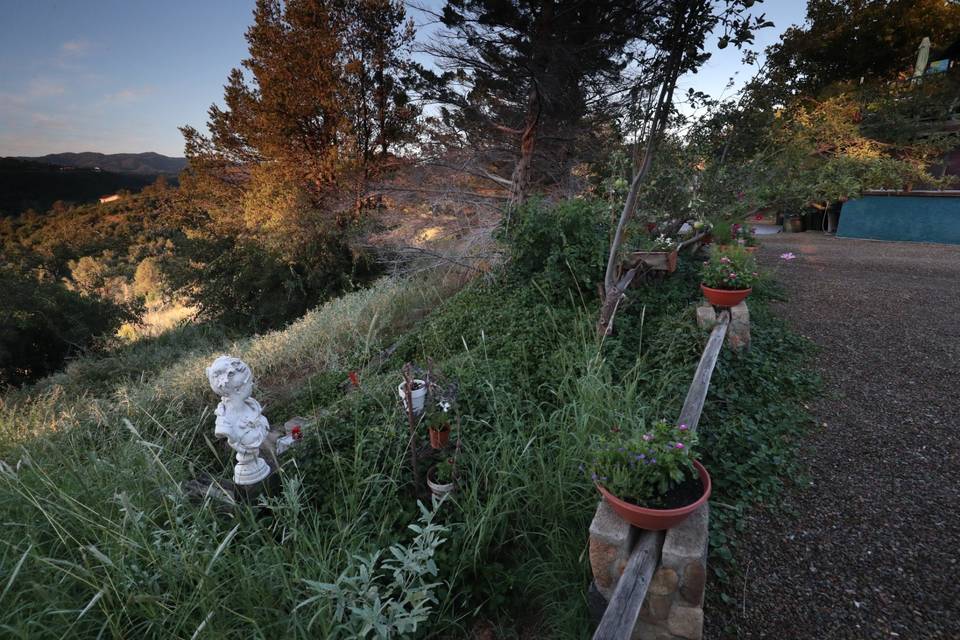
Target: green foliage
pixel 443 471
pixel 731 269
pixel 562 246
pixel 42 324
pixel 644 463
pixel 535 388
pixel 387 598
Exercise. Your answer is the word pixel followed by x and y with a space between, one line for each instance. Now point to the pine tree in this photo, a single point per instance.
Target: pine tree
pixel 526 78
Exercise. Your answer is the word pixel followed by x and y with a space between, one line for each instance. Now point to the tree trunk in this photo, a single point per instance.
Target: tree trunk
pixel 520 180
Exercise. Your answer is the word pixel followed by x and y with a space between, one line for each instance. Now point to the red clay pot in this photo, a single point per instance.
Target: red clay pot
pixel 439 439
pixel 658 519
pixel 725 297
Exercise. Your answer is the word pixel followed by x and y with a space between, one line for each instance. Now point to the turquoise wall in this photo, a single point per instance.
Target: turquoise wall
pixel 903 218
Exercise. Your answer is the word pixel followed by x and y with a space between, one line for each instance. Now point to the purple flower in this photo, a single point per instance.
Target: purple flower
pixel 642 456
pixel 787 256
pixel 679 445
pixel 653 461
pixel 593 476
pixel 683 427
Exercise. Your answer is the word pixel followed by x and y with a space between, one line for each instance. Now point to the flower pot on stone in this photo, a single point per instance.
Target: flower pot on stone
pixel 418 392
pixel 440 478
pixel 658 519
pixel 724 297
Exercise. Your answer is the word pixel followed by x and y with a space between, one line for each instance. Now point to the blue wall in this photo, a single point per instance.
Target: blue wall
pixel 903 218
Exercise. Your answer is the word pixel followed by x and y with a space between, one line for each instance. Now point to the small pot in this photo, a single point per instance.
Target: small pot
pixel 725 297
pixel 793 224
pixel 658 519
pixel 438 490
pixel 439 438
pixel 417 396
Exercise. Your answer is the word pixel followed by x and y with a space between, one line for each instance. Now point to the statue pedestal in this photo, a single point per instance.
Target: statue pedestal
pixel 250 469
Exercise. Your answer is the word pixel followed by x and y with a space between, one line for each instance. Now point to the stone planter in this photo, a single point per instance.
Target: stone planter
pixel 658 519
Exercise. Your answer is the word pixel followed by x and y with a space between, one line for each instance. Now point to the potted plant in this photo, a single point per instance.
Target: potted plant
pixel 651 479
pixel 659 254
pixel 418 392
pixel 727 278
pixel 441 478
pixel 438 425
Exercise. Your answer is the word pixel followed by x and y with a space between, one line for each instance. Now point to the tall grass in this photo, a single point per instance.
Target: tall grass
pixel 99 540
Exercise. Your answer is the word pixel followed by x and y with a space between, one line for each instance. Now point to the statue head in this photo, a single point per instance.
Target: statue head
pixel 230 377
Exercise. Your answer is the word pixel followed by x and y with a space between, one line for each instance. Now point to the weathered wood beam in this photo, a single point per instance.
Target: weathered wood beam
pixel 624 607
pixel 697 394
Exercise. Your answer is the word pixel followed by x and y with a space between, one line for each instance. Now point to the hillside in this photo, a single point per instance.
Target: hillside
pixel 29 184
pixel 140 163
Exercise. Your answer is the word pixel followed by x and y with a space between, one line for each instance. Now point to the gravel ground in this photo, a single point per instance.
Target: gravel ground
pixel 871 549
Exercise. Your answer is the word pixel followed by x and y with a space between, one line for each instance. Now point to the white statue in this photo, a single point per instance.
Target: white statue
pixel 239 418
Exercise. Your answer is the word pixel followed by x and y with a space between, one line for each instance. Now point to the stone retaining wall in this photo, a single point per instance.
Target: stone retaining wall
pixel 673 608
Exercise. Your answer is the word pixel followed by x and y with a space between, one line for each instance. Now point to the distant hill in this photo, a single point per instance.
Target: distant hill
pixel 140 163
pixel 28 184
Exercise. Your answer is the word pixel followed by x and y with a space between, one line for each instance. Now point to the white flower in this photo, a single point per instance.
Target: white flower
pixel 445 406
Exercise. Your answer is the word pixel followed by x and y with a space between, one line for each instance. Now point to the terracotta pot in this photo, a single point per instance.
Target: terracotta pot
pixel 439 439
pixel 438 490
pixel 724 297
pixel 658 519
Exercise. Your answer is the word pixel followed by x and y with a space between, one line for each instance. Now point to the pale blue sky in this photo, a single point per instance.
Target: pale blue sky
pixel 121 75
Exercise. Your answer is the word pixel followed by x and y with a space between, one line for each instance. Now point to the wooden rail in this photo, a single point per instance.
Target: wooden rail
pixel 622 611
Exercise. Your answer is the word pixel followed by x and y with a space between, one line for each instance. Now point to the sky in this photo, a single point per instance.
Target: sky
pixel 119 76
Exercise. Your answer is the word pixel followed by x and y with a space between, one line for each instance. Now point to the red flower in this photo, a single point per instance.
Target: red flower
pixel 296 432
pixel 354 379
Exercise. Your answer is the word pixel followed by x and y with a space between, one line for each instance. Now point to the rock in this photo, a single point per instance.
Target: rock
pixel 706 317
pixel 664 582
pixel 686 622
pixel 657 607
pixel 694 581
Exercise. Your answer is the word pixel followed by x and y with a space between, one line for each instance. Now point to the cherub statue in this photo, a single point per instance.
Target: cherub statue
pixel 239 417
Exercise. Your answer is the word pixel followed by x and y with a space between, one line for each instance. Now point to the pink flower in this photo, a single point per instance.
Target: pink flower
pixel 679 445
pixel 733 275
pixel 647 437
pixel 725 260
pixel 683 427
pixel 787 256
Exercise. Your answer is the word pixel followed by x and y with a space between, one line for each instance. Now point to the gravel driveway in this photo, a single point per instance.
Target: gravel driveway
pixel 872 548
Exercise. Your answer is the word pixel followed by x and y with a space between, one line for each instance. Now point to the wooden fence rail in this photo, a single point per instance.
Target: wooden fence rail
pixel 623 609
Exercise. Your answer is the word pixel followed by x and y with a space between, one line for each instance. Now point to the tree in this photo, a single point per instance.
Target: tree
pixel 526 79
pixel 322 85
pixel 43 323
pixel 845 40
pixel 677 44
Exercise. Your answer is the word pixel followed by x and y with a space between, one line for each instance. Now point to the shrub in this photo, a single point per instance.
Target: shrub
pixel 43 323
pixel 564 246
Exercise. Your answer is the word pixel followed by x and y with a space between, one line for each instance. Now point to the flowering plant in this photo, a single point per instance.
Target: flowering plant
pixel 642 467
pixel 437 416
pixel 663 243
pixel 733 269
